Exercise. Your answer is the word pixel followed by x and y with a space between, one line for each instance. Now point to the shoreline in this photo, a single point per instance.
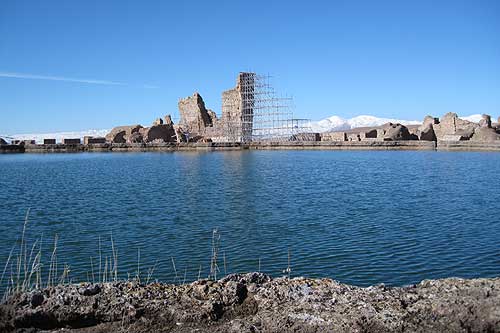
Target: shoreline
pixel 292 145
pixel 255 302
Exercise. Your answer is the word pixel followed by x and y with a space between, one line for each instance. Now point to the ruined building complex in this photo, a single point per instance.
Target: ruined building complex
pixel 251 112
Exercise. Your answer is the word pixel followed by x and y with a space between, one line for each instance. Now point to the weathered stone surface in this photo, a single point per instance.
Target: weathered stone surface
pixel 371 134
pixel 255 302
pixel 93 140
pixel 334 136
pixel 120 134
pixel 426 131
pixel 213 117
pixel 485 121
pixel 168 120
pixel 159 133
pixel 396 132
pixel 305 137
pixel 450 124
pixel 485 134
pixel 135 138
pixel 353 137
pixel 180 136
pixel 194 115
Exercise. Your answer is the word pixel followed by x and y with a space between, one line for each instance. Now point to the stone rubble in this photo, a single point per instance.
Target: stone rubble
pixel 255 302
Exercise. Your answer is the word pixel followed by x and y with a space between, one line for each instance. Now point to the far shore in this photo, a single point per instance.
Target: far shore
pixel 267 145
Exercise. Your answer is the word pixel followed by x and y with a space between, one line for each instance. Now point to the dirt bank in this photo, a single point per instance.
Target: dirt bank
pixel 256 303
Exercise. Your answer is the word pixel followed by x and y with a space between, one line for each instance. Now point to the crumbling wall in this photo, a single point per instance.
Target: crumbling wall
pixel 334 136
pixel 452 126
pixel 194 115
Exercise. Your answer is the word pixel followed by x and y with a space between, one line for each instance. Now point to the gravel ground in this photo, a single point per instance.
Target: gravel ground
pixel 255 302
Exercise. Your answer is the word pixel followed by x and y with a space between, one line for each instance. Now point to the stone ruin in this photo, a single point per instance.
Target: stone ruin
pixel 160 131
pixel 449 128
pixel 236 122
pixel 195 118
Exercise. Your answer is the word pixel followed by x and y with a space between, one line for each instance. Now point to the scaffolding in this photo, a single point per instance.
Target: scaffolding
pixel 252 112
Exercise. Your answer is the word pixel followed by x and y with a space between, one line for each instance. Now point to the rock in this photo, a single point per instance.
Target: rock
pixel 159 133
pixel 2 141
pixel 213 117
pixel 180 136
pixel 168 120
pixel 396 132
pixel 90 290
pixel 36 299
pixel 135 138
pixel 485 134
pixel 485 121
pixel 451 126
pixel 194 115
pixel 120 134
pixel 255 302
pixel 371 134
pixel 426 131
pixel 158 121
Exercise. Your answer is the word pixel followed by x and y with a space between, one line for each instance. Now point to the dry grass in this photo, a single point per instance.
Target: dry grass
pixel 24 270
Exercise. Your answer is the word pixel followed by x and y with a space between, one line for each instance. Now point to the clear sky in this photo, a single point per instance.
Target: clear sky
pixel 75 65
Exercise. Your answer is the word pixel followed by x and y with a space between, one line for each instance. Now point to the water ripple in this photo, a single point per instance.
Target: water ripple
pixel 358 217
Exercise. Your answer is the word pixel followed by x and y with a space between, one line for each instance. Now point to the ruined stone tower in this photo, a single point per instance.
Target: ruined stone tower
pixel 238 109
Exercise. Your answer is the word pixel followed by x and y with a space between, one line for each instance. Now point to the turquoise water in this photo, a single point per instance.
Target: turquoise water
pixel 358 217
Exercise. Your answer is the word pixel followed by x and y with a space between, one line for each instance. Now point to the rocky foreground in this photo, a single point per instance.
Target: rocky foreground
pixel 255 302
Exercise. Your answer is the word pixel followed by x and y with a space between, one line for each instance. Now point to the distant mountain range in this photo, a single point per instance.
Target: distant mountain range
pixel 333 123
pixel 336 123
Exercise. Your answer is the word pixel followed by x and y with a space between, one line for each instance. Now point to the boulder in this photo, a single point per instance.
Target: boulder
pixel 120 134
pixel 194 115
pixel 452 126
pixel 485 121
pixel 159 133
pixel 485 134
pixel 396 132
pixel 426 131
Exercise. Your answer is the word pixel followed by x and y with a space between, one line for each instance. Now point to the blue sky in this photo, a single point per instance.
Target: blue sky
pixel 111 63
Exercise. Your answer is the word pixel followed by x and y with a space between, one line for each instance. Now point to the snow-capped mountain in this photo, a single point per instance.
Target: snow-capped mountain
pixel 475 118
pixel 336 123
pixel 38 137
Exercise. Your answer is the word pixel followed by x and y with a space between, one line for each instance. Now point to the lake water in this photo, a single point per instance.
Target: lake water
pixel 358 217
